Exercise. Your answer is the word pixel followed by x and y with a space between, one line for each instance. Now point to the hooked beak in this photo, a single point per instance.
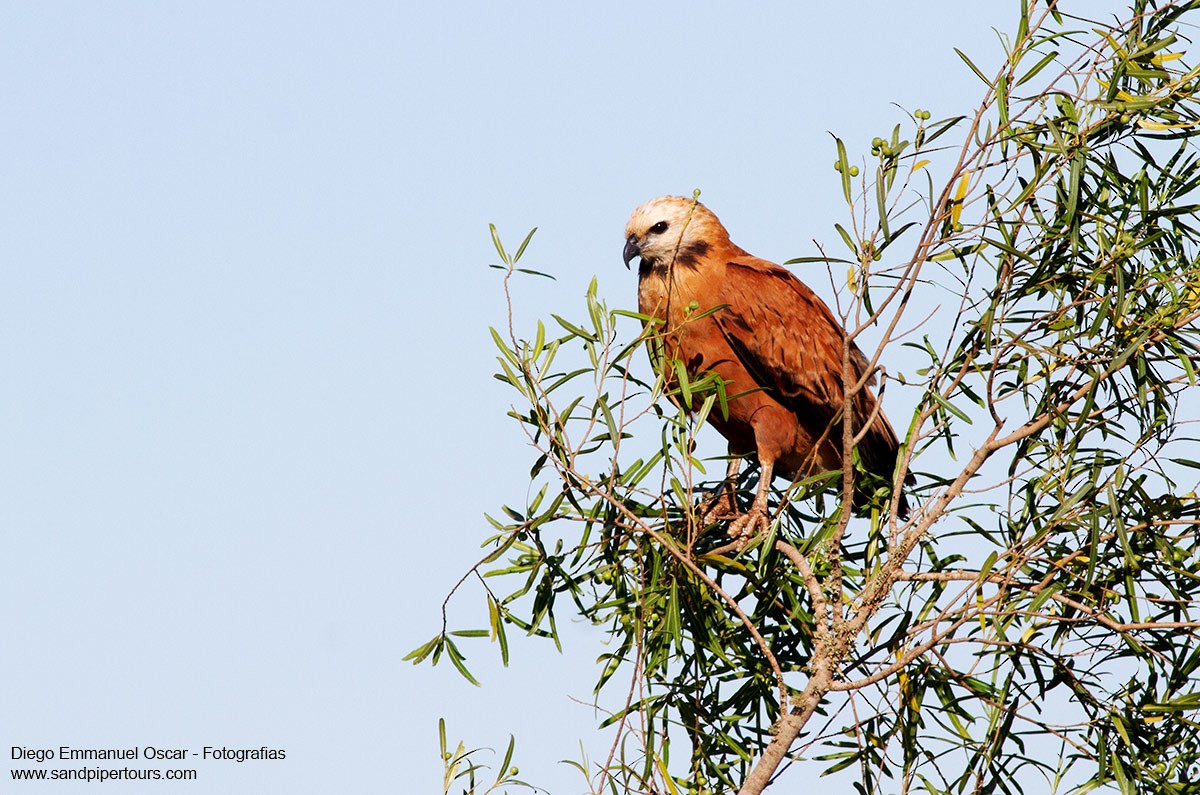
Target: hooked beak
pixel 632 249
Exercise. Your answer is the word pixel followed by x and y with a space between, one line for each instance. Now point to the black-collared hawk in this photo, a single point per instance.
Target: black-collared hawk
pixel 774 343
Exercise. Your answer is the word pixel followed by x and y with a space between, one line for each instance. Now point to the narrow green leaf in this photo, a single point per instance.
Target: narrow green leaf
pixel 958 253
pixel 950 407
pixel 505 765
pixel 681 378
pixel 1042 63
pixel 1077 163
pixel 974 68
pixel 844 169
pixel 470 633
pixel 457 659
pixel 421 652
pixel 805 260
pixel 499 246
pixel 521 248
pixel 535 273
pixel 846 239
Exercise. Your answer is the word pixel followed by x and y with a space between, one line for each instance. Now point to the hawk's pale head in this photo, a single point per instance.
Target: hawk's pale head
pixel 672 229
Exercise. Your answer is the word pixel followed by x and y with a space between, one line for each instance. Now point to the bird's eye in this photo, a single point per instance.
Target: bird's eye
pixel 659 228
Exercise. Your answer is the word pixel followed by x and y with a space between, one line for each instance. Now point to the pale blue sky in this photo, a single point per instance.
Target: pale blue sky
pixel 248 428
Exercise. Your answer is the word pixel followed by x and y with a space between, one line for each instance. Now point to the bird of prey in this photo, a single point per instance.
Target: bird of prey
pixel 774 343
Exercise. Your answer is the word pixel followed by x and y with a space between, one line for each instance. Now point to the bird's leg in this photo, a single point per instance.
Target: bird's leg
pixel 723 505
pixel 755 520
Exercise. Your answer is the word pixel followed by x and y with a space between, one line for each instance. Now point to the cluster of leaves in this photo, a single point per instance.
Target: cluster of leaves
pixel 1070 228
pixel 1058 598
pixel 462 769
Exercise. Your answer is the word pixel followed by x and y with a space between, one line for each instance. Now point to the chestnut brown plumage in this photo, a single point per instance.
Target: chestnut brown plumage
pixel 774 343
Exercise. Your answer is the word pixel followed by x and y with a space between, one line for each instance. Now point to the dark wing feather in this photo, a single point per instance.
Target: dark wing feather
pixel 791 344
pixel 785 336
